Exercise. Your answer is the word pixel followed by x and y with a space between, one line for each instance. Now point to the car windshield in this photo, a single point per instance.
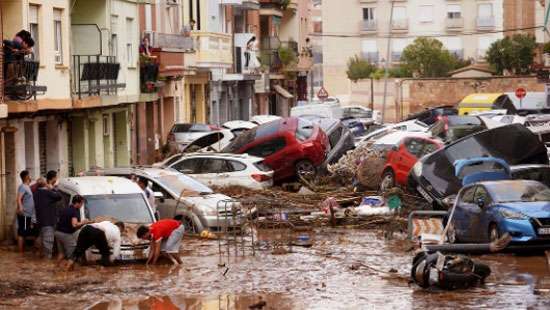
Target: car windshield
pixel 172 160
pixel 178 128
pixel 304 130
pixel 521 192
pixel 183 185
pixel 128 208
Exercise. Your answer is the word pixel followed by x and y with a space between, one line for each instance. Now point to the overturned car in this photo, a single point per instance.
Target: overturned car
pixel 434 177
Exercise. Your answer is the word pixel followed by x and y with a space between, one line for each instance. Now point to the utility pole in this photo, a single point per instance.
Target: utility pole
pixel 386 69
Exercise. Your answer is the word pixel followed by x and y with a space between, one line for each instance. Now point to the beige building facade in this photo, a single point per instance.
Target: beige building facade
pixel 466 28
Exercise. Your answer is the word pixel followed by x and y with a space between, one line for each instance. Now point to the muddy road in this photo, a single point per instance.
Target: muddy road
pixel 344 269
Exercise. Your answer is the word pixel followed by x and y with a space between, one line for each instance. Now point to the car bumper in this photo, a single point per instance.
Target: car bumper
pixel 219 223
pixel 524 232
pixel 127 253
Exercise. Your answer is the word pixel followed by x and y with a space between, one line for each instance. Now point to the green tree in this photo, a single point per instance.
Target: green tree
pixel 512 54
pixel 426 57
pixel 359 69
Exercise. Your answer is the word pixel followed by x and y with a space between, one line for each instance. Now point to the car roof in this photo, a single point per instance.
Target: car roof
pixel 99 185
pixel 525 167
pixel 151 172
pixel 396 137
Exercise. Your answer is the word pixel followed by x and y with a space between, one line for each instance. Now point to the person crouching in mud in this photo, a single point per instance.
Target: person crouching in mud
pixel 165 237
pixel 104 236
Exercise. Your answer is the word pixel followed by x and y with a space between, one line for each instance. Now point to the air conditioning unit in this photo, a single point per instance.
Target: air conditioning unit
pixel 171 2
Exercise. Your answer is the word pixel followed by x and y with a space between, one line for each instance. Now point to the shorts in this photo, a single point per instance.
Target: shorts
pixel 173 243
pixel 25 227
pixel 66 243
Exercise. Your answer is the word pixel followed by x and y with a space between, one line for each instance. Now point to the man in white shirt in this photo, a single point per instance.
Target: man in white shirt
pixel 104 236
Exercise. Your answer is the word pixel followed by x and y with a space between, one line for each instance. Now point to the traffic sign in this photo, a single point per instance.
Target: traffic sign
pixel 521 92
pixel 322 94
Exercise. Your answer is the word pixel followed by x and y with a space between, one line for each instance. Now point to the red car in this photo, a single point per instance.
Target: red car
pixel 403 155
pixel 289 146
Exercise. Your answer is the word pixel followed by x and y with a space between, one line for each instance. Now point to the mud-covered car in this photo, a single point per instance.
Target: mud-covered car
pixel 112 198
pixel 177 194
pixel 433 176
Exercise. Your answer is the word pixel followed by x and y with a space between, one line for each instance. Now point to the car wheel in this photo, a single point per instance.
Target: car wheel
pixel 451 234
pixel 494 234
pixel 192 224
pixel 388 181
pixel 305 169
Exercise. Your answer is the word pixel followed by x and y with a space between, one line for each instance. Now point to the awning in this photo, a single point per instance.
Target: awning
pixel 283 92
pixel 271 12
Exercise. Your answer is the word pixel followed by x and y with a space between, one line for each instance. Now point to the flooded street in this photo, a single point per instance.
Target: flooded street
pixel 344 269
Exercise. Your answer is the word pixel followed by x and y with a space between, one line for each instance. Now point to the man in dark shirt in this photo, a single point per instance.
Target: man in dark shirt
pixel 69 222
pixel 45 203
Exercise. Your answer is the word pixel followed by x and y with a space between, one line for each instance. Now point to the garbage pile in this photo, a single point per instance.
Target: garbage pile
pixel 363 164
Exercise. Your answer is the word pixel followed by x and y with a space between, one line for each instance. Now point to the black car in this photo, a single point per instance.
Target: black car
pixel 454 127
pixel 430 116
pixel 434 178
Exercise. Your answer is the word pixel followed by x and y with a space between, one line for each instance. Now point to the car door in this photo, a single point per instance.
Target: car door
pixel 216 172
pixel 480 223
pixel 406 158
pixel 167 204
pixel 461 216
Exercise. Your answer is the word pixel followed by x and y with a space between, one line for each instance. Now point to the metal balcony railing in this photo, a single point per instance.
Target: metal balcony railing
pixel 20 80
pixel 400 24
pixel 368 25
pixel 454 23
pixel 95 75
pixel 148 76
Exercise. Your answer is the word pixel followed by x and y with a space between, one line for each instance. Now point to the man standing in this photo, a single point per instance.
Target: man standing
pixel 69 222
pixel 26 216
pixel 45 202
pixel 104 236
pixel 165 237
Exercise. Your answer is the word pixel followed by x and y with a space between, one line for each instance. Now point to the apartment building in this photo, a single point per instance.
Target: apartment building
pixel 466 28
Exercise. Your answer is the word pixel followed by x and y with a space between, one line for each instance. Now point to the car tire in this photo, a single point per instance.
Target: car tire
pixel 305 168
pixel 494 233
pixel 192 224
pixel 388 180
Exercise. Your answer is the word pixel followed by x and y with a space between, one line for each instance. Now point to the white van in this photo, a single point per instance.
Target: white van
pixel 117 198
pixel 329 110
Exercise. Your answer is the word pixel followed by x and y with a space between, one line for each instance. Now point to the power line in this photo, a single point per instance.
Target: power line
pixel 367 36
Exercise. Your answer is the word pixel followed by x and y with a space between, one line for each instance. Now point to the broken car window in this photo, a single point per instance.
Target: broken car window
pixel 189 166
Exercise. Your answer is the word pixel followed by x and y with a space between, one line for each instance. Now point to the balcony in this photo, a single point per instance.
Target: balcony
pixel 245 4
pixel 454 24
pixel 269 54
pixel 213 50
pixel 20 80
pixel 400 25
pixel 148 75
pixel 485 22
pixel 368 26
pixel 94 75
pixel 170 41
pixel 371 57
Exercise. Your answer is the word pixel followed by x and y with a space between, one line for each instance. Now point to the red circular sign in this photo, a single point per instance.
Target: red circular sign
pixel 521 92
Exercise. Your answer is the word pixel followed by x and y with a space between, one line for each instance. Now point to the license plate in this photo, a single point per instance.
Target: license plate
pixel 544 231
pixel 424 194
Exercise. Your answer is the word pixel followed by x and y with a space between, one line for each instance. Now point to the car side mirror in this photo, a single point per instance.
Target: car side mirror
pixel 481 202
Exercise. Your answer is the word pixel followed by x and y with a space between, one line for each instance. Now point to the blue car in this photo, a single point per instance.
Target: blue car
pixel 486 210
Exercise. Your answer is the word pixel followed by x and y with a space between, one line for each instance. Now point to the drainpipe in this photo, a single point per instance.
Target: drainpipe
pixel 386 69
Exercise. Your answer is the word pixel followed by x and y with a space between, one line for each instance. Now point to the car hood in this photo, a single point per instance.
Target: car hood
pixel 538 209
pixel 209 202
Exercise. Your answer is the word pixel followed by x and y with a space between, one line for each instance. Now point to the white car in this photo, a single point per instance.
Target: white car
pixel 178 195
pixel 116 198
pixel 185 133
pixel 210 142
pixel 238 127
pixel 262 119
pixel 218 169
pixel 362 113
pixel 408 126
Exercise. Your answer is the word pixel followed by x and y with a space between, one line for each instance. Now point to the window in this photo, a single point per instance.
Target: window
pixel 237 166
pixel 57 32
pixel 485 10
pixel 426 13
pixel 368 13
pixel 34 29
pixel 129 42
pixel 189 166
pixel 468 195
pixel 106 129
pixel 214 165
pixel 114 46
pixel 267 148
pixel 399 13
pixel 454 11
